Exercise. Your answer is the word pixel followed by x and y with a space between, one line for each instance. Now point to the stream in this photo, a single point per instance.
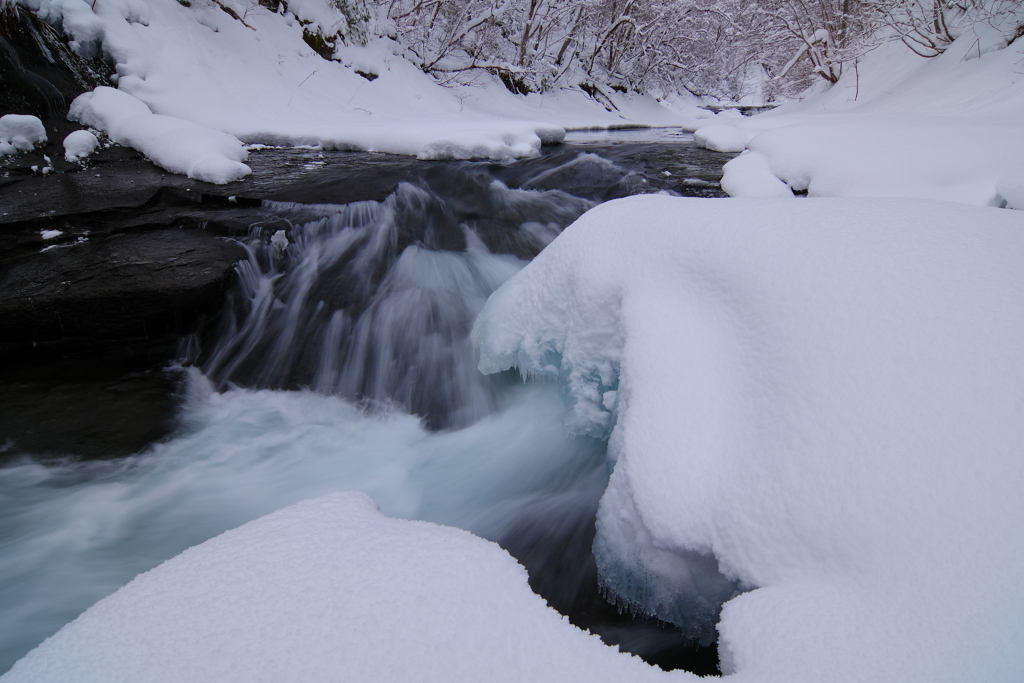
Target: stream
pixel 342 361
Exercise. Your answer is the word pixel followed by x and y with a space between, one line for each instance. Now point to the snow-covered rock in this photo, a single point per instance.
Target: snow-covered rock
pixel 723 138
pixel 174 144
pixel 329 589
pixel 822 394
pixel 79 144
pixel 750 175
pixel 20 133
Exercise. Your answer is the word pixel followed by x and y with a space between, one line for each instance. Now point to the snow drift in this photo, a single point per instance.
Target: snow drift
pixel 823 395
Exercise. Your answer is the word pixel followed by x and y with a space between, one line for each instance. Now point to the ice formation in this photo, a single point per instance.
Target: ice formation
pixel 20 133
pixel 329 589
pixel 824 395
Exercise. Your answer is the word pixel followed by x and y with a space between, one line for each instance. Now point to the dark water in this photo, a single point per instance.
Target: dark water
pixel 348 325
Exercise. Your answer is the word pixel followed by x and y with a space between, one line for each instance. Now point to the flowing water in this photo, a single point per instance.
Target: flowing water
pixel 343 362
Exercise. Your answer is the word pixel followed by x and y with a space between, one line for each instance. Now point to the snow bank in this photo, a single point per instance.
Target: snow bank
pixel 948 128
pixel 79 144
pixel 825 395
pixel 174 144
pixel 329 589
pixel 20 133
pixel 253 76
pixel 865 156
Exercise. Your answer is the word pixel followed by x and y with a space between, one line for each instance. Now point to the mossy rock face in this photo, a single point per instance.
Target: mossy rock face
pixel 367 75
pixel 321 44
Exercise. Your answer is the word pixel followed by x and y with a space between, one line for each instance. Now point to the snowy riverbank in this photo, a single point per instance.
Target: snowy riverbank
pixel 949 128
pixel 189 74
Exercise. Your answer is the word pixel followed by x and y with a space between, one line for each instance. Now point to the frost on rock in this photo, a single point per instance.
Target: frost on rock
pixel 329 589
pixel 79 144
pixel 174 144
pixel 822 397
pixel 20 133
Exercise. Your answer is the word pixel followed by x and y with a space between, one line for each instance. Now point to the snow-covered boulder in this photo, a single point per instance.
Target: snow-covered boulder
pixel 79 144
pixel 822 395
pixel 750 175
pixel 177 145
pixel 723 138
pixel 20 133
pixel 329 590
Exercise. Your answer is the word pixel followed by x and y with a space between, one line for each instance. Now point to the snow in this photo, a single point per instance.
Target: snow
pixel 329 589
pixel 175 144
pixel 1011 188
pixel 20 133
pixel 947 128
pixel 824 396
pixel 79 144
pixel 750 175
pixel 722 138
pixel 255 78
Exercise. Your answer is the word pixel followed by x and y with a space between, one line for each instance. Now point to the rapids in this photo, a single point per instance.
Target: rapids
pixel 343 362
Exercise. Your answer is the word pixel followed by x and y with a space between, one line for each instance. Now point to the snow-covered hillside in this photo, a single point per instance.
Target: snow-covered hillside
pixel 248 73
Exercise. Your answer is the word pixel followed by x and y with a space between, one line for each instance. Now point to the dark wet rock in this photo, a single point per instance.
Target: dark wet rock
pixel 92 293
pixel 39 73
pixel 113 405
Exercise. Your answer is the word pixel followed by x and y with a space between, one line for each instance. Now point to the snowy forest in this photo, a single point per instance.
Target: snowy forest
pixel 760 50
pixel 511 340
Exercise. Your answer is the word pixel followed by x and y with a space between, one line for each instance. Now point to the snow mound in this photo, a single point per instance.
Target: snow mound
pixel 20 133
pixel 723 138
pixel 174 144
pixel 824 395
pixel 329 589
pixel 79 144
pixel 750 175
